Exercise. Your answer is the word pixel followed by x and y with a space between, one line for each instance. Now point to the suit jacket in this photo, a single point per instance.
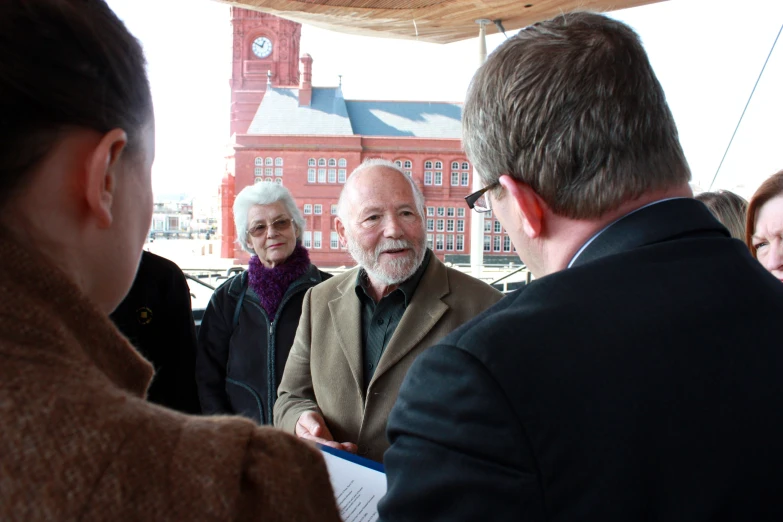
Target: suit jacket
pixel 324 368
pixel 643 383
pixel 79 442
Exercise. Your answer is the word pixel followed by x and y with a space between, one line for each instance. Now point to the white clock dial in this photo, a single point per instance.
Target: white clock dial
pixel 262 47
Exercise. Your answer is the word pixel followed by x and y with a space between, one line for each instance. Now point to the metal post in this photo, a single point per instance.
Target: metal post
pixel 477 219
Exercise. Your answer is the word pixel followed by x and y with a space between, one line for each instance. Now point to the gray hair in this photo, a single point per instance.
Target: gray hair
pixel 571 107
pixel 418 197
pixel 264 193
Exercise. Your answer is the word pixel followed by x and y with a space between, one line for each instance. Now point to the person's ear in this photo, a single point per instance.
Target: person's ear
pixel 339 226
pixel 526 204
pixel 101 175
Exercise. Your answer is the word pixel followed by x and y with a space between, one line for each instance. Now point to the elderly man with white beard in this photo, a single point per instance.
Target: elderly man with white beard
pixel 360 331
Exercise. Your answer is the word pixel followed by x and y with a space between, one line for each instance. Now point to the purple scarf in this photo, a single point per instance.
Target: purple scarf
pixel 270 284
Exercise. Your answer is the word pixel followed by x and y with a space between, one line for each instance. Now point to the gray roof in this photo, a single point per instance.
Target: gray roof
pixel 330 115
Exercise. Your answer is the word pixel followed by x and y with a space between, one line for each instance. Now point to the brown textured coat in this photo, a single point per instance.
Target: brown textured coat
pixel 78 442
pixel 324 369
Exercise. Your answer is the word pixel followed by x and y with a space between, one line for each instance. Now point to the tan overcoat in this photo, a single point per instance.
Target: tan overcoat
pixel 324 369
pixel 78 442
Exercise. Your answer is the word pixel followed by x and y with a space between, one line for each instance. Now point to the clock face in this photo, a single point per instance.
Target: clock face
pixel 262 47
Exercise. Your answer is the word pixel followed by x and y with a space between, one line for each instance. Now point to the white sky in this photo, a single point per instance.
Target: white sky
pixel 706 53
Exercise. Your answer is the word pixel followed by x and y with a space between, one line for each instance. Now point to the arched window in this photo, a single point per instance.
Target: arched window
pixel 465 165
pixel 455 165
pixel 311 162
pixel 321 162
pixel 427 165
pixel 332 162
pixel 279 181
pixel 342 163
pixel 398 163
pixel 408 164
pixel 268 161
pixel 259 162
pixel 268 180
pixel 278 162
pixel 438 165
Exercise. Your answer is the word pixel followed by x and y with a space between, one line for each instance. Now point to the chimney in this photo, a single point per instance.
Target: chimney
pixel 306 85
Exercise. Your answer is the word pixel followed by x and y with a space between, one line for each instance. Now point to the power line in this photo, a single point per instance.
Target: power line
pixel 746 108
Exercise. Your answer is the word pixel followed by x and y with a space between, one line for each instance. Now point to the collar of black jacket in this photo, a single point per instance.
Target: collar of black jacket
pixel 676 218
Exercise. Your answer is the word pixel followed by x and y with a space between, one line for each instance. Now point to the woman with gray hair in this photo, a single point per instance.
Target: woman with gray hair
pixel 250 323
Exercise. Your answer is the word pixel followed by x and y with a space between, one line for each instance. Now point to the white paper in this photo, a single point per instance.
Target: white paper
pixel 357 488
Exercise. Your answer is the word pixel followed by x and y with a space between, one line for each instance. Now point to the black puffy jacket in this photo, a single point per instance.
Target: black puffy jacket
pixel 236 372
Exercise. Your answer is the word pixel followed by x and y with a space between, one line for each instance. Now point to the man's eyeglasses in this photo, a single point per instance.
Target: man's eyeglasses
pixel 478 201
pixel 260 229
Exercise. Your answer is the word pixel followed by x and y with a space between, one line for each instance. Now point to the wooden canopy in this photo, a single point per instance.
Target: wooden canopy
pixel 437 21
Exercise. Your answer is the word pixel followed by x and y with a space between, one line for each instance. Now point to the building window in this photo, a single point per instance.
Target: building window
pixel 259 171
pixel 427 164
pixel 311 162
pixel 498 226
pixel 450 225
pixel 455 165
pixel 430 211
pixel 487 243
pixel 321 175
pixel 311 175
pixel 268 180
pixel 460 243
pixel 259 162
pixel 439 242
pixel 506 244
pixel 341 176
pixel 268 162
pixel 460 225
pixel 465 179
pixel 258 180
pixel 496 241
pixel 332 162
pixel 342 163
pixel 278 171
pixel 450 212
pixel 430 225
pixel 465 165
pixel 428 177
pixel 429 241
pixel 455 179
pixel 279 181
pixel 268 171
pixel 438 178
pixel 460 211
pixel 449 242
pixel 332 175
pixel 407 164
pixel 334 210
pixel 278 162
pixel 440 225
pixel 317 209
pixel 487 225
pixel 334 240
pixel 308 209
pixel 398 163
pixel 438 165
pixel 321 162
pixel 441 211
pixel 317 239
pixel 307 239
pixel 409 173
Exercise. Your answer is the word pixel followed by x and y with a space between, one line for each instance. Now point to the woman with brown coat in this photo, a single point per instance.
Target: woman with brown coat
pixel 77 439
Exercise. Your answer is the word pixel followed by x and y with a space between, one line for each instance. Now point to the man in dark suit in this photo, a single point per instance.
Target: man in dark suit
pixel 639 376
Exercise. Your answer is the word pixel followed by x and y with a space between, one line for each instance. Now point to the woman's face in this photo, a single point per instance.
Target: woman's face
pixel 271 233
pixel 768 236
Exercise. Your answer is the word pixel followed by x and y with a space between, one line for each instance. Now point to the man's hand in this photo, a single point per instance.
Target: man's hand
pixel 312 426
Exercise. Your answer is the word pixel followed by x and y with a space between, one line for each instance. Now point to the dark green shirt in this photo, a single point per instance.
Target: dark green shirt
pixel 379 320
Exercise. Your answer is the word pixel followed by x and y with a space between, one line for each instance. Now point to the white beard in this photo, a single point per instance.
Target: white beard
pixel 391 272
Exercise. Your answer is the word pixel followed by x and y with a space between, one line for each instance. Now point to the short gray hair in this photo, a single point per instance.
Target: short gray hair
pixel 263 193
pixel 418 197
pixel 572 108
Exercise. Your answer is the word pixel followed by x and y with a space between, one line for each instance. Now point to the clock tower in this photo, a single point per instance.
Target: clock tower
pixel 265 51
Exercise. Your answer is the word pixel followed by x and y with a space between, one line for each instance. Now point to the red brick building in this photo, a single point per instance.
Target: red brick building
pixel 309 139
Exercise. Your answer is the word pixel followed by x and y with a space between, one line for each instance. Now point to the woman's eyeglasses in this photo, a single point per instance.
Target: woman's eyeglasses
pixel 260 229
pixel 479 201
